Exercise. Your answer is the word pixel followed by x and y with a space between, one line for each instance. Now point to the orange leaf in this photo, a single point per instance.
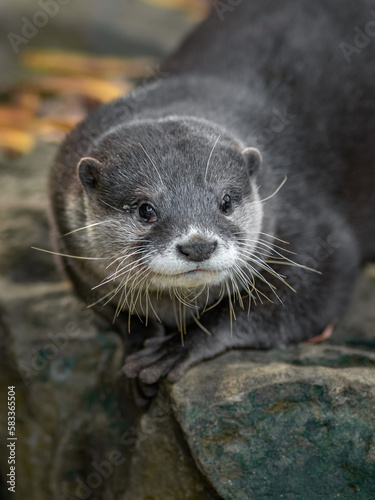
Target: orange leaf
pixel 26 100
pixel 14 116
pixel 95 88
pixel 196 9
pixel 64 122
pixel 65 63
pixel 16 141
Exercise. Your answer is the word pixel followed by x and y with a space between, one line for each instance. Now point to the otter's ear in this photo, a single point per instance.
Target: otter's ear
pixel 88 170
pixel 253 159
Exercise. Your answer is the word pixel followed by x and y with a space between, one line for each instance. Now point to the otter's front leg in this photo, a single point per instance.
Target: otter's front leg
pixel 134 335
pixel 265 327
pixel 318 299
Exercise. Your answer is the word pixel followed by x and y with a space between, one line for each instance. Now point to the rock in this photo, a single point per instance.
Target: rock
pixel 358 326
pixel 162 466
pixel 259 427
pixel 72 408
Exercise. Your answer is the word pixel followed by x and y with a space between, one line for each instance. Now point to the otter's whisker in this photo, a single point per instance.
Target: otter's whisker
pixel 110 206
pixel 152 307
pixel 284 258
pixel 196 319
pixel 272 287
pixel 236 291
pixel 113 293
pixel 232 314
pixel 84 227
pixel 264 266
pixel 138 251
pixel 153 164
pixel 209 158
pixel 253 259
pixel 243 278
pixel 67 255
pixel 221 295
pixel 273 237
pixel 127 269
pixel 261 277
pixel 274 193
pixel 177 317
pixel 264 243
pixel 130 267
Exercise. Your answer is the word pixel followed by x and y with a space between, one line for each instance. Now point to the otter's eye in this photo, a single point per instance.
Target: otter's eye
pixel 226 203
pixel 147 213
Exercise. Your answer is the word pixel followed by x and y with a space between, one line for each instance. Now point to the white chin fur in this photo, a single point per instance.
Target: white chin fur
pixel 191 279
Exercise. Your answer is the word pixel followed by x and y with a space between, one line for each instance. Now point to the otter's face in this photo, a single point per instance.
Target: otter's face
pixel 180 204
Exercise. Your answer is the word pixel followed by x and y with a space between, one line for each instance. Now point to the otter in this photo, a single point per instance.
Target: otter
pixel 229 203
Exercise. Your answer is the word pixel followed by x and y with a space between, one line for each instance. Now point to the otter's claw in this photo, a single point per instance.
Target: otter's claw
pixel 142 393
pixel 155 359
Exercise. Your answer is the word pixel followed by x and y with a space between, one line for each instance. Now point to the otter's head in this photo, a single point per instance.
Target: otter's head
pixel 173 204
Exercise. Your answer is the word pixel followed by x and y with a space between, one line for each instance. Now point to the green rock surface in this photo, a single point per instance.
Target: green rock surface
pixel 162 467
pixel 276 430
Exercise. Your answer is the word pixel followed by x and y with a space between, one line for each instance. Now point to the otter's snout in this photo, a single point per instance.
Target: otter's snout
pixel 197 249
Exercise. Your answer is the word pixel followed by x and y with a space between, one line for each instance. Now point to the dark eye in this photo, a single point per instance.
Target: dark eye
pixel 226 203
pixel 147 213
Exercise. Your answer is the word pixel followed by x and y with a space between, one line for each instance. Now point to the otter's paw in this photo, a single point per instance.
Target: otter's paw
pixel 156 359
pixel 141 393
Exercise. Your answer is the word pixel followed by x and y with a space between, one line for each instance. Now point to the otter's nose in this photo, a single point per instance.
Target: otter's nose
pixel 197 249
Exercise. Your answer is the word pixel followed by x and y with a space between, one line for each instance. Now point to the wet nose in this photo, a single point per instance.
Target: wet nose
pixel 197 249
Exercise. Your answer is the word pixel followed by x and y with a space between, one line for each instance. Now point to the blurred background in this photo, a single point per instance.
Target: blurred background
pixel 59 58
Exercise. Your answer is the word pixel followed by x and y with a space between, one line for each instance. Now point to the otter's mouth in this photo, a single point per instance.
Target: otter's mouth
pixel 192 272
pixel 187 279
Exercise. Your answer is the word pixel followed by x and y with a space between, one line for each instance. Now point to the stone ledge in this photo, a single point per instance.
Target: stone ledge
pixel 266 425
